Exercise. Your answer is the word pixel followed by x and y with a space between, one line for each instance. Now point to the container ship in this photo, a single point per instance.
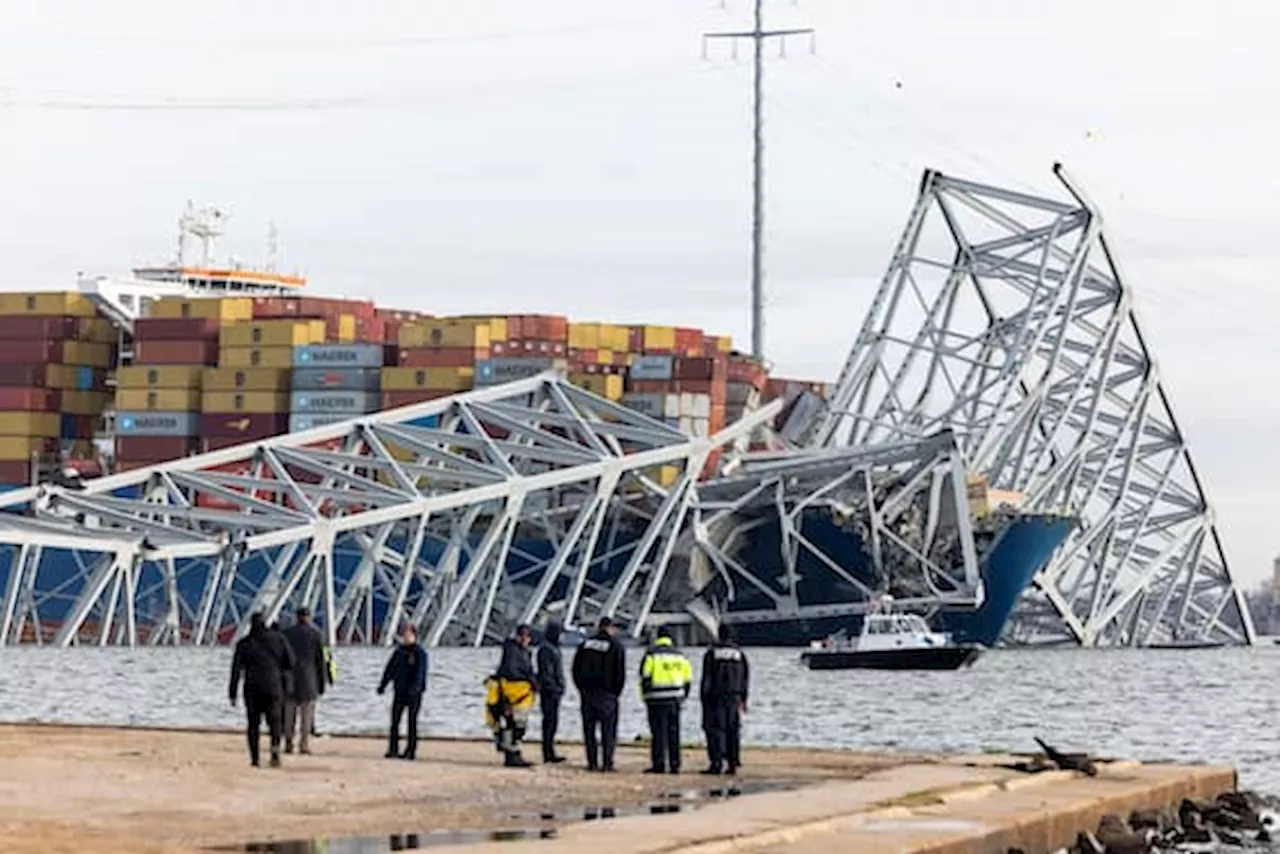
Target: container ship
pixel 192 356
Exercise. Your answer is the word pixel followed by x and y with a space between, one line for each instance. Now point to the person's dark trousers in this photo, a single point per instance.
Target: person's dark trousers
pixel 664 727
pixel 412 704
pixel 600 709
pixel 257 705
pixel 722 721
pixel 550 723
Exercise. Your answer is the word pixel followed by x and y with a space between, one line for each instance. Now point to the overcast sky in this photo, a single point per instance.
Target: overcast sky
pixel 580 156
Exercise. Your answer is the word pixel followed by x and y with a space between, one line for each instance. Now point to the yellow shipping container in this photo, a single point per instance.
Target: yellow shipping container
pixel 99 330
pixel 608 386
pixel 272 333
pixel 48 304
pixel 21 447
pixel 253 357
pixel 157 399
pixel 471 334
pixel 435 379
pixel 222 309
pixel 246 379
pixel 614 337
pixel 659 337
pixel 499 328
pixel 86 353
pixel 604 357
pixel 584 336
pixel 29 423
pixel 249 402
pixel 666 475
pixel 62 376
pixel 724 344
pixel 84 402
pixel 347 329
pixel 159 376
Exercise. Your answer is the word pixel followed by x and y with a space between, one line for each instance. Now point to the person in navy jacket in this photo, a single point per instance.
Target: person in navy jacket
pixel 407 673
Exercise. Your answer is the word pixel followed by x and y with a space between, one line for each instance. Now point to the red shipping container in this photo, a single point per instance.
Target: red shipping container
pixel 175 329
pixel 175 352
pixel 688 339
pixel 26 328
pixel 649 386
pixel 635 339
pixel 29 400
pixel 30 352
pixel 309 307
pixel 157 449
pixel 693 368
pixel 218 443
pixel 396 399
pixel 440 357
pixel 243 427
pixel 606 370
pixel 24 375
pixel 15 472
pixel 371 330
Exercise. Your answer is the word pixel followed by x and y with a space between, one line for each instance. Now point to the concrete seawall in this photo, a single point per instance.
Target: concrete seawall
pixel 98 790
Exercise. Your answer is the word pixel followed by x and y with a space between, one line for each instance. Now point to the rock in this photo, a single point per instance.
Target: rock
pixel 1264 835
pixel 1117 837
pixel 1146 820
pixel 1087 843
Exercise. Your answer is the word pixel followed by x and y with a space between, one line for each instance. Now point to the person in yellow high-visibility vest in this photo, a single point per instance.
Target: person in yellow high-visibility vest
pixel 665 680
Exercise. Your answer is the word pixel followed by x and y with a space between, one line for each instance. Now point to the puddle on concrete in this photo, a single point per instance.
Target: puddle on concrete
pixel 394 842
pixel 666 803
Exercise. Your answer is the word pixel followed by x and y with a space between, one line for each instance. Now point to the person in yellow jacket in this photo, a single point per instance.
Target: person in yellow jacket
pixel 665 679
pixel 510 693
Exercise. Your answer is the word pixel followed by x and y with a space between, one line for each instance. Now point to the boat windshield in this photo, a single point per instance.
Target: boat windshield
pixel 893 624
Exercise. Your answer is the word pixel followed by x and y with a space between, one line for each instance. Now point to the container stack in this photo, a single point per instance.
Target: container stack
pixel 436 358
pixel 246 398
pixel 524 346
pixel 54 351
pixel 334 382
pixel 345 321
pixel 598 357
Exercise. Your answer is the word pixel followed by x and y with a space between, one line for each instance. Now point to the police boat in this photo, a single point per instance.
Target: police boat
pixel 890 641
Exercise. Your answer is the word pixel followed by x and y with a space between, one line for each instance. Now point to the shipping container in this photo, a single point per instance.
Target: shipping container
pixel 157 423
pixel 692 368
pixel 339 356
pixel 271 333
pixel 534 347
pixel 24 447
pixel 155 449
pixel 267 357
pixel 436 379
pixel 499 326
pixel 497 371
pixel 659 339
pixel 608 386
pixel 15 472
pixel 353 402
pixel 194 352
pixel 29 399
pixel 26 328
pixel 153 399
pixel 31 375
pixel 87 353
pixel 652 405
pixel 50 303
pixel 175 329
pixel 30 352
pixel 348 379
pixel 300 421
pixel 270 308
pixel 652 367
pixel 78 427
pixel 409 397
pixel 471 334
pixel 159 376
pixel 440 357
pixel 253 402
pixel 221 309
pixel 246 379
pixel 29 423
pixel 245 427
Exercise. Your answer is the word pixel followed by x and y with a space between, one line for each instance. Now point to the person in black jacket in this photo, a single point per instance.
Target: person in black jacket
pixel 264 659
pixel 309 679
pixel 725 679
pixel 551 680
pixel 600 672
pixel 407 672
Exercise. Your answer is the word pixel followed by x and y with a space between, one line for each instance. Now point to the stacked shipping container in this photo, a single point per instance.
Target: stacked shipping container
pixel 334 382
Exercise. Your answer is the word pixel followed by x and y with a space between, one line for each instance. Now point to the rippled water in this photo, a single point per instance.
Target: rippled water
pixel 1187 705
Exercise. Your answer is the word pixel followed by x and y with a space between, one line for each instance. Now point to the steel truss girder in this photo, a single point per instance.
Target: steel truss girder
pixel 1006 318
pixel 420 514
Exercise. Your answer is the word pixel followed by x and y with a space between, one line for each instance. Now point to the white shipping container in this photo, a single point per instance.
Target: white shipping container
pixel 807 408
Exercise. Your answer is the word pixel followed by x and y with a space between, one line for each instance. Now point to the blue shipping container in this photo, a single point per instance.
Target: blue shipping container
pixel 336 402
pixel 651 367
pixel 510 369
pixel 337 379
pixel 300 421
pixel 84 378
pixel 338 356
pixel 158 423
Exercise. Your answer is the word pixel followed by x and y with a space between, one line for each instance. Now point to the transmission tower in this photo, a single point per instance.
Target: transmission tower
pixel 758 35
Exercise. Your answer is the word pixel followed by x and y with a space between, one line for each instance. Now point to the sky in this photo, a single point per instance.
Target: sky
pixel 582 157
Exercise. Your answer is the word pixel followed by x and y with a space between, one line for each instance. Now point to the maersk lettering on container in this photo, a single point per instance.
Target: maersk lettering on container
pixel 341 402
pixel 497 371
pixel 158 423
pixel 652 367
pixel 300 421
pixel 338 356
pixel 337 379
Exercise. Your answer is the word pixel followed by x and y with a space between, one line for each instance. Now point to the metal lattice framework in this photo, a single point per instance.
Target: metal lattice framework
pixel 466 516
pixel 1005 317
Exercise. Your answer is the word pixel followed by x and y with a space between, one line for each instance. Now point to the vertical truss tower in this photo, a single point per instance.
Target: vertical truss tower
pixel 1005 318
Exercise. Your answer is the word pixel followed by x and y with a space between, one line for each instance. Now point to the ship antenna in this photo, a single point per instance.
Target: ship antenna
pixel 758 35
pixel 273 246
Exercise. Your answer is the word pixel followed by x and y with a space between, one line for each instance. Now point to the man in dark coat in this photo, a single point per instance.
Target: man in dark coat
pixel 551 680
pixel 726 678
pixel 309 679
pixel 600 672
pixel 407 672
pixel 264 660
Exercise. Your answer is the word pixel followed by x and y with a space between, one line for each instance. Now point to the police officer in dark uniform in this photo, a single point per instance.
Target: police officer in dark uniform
pixel 600 672
pixel 725 677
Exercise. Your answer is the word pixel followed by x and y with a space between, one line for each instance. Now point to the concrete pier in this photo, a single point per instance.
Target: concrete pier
pixel 93 791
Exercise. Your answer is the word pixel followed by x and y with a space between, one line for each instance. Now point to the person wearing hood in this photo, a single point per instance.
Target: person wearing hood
pixel 510 694
pixel 264 660
pixel 551 681
pixel 407 671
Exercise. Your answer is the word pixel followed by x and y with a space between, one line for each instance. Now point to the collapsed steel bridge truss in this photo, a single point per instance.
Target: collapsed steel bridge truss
pixel 1005 317
pixel 464 516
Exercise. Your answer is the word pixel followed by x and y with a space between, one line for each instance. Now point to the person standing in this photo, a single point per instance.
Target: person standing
pixel 551 681
pixel 309 680
pixel 264 660
pixel 665 679
pixel 406 671
pixel 600 672
pixel 725 678
pixel 511 691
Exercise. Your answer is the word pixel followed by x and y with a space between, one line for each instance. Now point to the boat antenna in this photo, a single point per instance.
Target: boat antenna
pixel 758 35
pixel 273 246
